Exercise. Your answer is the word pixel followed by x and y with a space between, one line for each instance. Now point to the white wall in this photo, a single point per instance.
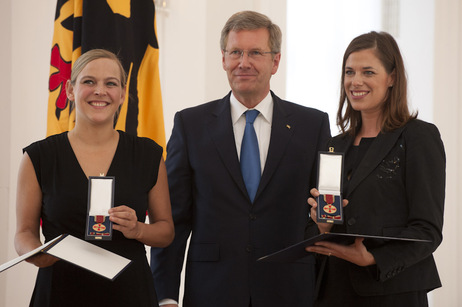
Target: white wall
pixel 318 33
pixel 447 110
pixel 191 73
pixel 5 89
pixel 416 39
pixel 24 101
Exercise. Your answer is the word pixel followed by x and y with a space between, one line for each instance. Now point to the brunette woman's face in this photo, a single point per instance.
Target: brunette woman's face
pixel 366 82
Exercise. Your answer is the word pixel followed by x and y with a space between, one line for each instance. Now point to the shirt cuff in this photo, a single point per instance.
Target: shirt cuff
pixel 166 301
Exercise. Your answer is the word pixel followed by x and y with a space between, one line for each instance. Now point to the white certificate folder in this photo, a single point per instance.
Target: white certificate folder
pixel 298 251
pixel 80 253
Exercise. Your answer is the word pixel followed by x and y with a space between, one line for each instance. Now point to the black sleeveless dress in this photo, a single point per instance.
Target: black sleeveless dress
pixel 64 187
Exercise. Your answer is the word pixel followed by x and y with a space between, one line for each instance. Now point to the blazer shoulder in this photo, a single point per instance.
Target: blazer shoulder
pixel 340 142
pixel 423 136
pixel 417 127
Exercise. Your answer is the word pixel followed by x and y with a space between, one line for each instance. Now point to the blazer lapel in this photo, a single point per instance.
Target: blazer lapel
pixel 376 153
pixel 220 128
pixel 342 144
pixel 282 129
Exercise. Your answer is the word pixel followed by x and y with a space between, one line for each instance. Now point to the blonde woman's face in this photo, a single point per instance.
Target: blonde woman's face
pixel 97 92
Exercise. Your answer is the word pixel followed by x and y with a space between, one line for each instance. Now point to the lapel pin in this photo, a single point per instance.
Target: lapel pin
pixel 288 126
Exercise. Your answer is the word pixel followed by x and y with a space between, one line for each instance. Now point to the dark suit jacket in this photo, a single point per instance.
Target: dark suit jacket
pixel 229 233
pixel 397 190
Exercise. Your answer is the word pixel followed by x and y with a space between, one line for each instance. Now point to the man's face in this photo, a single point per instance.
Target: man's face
pixel 249 74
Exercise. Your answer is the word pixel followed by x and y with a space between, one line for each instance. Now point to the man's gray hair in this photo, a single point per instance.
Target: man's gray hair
pixel 250 20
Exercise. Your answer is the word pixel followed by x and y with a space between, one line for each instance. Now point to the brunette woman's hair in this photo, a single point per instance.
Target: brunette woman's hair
pixel 395 112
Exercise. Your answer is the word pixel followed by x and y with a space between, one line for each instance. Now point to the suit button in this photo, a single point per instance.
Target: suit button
pixel 252 217
pixel 248 248
pixel 351 221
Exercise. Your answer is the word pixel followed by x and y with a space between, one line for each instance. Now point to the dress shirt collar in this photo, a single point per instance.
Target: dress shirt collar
pixel 265 107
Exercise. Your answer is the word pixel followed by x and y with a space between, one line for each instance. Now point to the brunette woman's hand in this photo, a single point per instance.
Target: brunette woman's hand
pixel 355 253
pixel 323 227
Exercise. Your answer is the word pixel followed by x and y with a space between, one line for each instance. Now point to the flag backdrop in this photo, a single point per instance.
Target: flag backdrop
pixel 125 27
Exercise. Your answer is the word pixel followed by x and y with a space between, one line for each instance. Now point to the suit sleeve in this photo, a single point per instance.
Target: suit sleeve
pixel 425 190
pixel 167 263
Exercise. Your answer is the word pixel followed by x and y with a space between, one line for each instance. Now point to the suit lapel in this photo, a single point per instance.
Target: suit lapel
pixel 374 156
pixel 221 132
pixel 282 129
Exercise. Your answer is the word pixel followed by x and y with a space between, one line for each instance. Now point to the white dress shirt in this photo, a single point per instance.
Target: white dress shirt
pixel 262 125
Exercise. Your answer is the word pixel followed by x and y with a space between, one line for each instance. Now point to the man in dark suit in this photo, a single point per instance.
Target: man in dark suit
pixel 233 224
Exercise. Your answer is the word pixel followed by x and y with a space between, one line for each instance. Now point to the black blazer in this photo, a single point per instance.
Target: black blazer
pixel 397 190
pixel 229 233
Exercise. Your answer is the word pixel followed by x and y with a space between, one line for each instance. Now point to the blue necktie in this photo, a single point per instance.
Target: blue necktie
pixel 250 155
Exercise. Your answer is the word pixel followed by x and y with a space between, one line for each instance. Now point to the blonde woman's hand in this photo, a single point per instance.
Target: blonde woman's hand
pixel 125 220
pixel 42 260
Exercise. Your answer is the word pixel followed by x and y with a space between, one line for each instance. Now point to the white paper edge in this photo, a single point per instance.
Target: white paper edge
pixel 89 256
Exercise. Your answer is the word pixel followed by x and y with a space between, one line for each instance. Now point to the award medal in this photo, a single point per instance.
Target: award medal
pixel 99 226
pixel 329 208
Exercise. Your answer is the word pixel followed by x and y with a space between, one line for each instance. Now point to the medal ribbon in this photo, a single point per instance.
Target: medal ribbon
pixel 329 199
